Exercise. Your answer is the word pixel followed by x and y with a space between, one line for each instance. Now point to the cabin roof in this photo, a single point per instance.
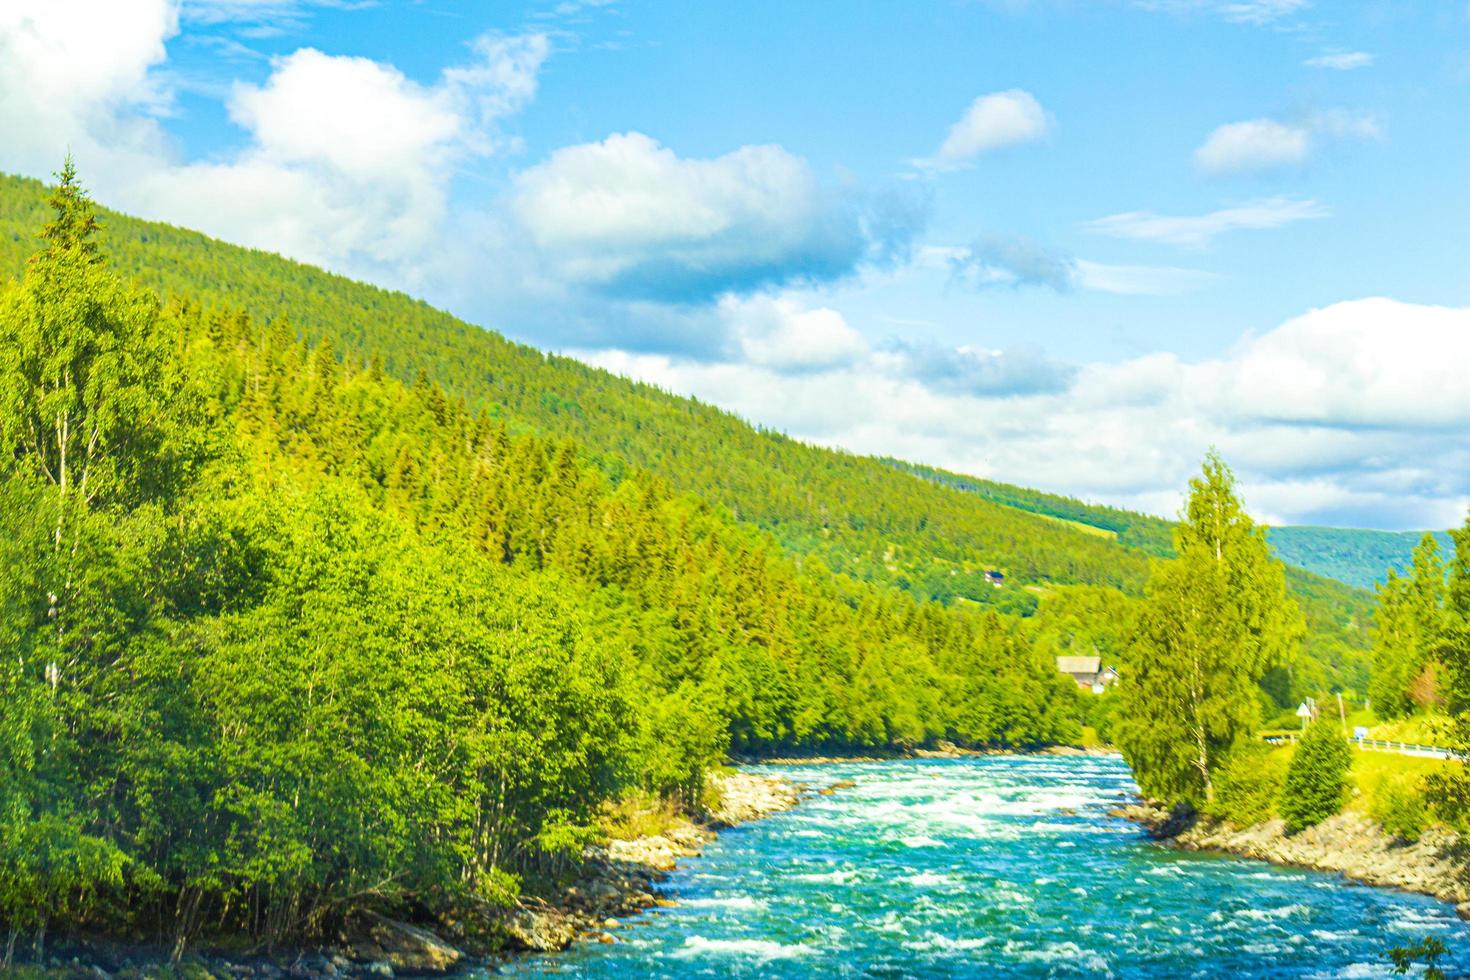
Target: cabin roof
pixel 1078 665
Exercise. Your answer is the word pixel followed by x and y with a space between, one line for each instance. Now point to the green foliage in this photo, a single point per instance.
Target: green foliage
pixel 1317 780
pixel 1214 620
pixel 1398 804
pixel 1449 791
pixel 286 637
pixel 1407 633
pixel 1357 557
pixel 1429 950
pixel 1248 785
pixel 859 517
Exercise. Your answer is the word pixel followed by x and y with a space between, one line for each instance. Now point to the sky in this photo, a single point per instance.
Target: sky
pixel 1070 244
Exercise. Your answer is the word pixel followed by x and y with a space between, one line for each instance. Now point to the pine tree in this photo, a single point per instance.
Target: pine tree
pixel 1316 780
pixel 1214 620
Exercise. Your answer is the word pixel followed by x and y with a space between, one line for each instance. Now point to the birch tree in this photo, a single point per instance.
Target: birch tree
pixel 1215 619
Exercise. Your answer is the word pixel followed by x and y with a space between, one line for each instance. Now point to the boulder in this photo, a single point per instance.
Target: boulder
pixel 539 931
pixel 404 948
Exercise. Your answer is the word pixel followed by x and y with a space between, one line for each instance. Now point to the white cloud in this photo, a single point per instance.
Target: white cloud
pixel 992 122
pixel 349 162
pixel 81 80
pixel 1341 60
pixel 1199 230
pixel 780 333
pixel 1141 280
pixel 1017 262
pixel 629 216
pixel 356 116
pixel 1329 417
pixel 1371 363
pixel 1253 146
pixel 1259 146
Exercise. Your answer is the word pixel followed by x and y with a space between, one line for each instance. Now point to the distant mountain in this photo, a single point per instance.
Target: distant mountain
pixel 1352 555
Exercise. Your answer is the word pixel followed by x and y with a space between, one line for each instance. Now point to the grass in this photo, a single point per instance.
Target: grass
pixel 1092 529
pixel 1431 729
pixel 1383 785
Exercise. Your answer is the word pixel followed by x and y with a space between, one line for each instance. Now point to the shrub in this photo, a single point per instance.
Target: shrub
pixel 1248 785
pixel 1398 805
pixel 1316 780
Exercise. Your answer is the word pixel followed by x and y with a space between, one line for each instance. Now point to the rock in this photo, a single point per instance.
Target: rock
pixel 409 948
pixel 745 796
pixel 611 924
pixel 540 931
pixel 606 938
pixel 834 787
pixel 379 969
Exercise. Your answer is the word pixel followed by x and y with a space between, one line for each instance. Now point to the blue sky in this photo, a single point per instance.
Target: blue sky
pixel 1067 243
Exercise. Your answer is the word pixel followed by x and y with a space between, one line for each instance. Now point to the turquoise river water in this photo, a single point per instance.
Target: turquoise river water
pixel 995 866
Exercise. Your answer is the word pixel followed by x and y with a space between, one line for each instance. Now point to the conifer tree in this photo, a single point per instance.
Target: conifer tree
pixel 1316 780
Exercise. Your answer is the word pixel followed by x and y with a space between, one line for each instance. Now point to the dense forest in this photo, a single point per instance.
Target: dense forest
pixel 286 636
pixel 861 517
pixel 316 600
pixel 1356 556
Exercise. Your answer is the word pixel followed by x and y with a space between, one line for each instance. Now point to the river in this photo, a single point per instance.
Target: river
pixel 995 866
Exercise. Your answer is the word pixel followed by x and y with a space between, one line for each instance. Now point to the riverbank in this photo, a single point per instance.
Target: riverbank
pixel 1348 843
pixel 616 879
pixel 620 876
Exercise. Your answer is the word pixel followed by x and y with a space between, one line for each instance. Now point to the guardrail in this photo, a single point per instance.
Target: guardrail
pixel 1381 745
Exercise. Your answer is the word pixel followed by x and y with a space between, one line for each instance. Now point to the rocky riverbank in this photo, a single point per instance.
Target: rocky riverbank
pixel 1348 843
pixel 616 879
pixel 619 877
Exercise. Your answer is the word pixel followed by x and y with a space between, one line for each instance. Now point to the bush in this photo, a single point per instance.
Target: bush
pixel 1398 805
pixel 1316 780
pixel 1248 785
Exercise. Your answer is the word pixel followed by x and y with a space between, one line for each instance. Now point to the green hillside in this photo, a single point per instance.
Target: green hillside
pixel 859 516
pixel 1353 555
pixel 289 639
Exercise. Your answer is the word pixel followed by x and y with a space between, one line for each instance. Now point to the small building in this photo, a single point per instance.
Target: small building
pixel 1088 672
pixel 995 578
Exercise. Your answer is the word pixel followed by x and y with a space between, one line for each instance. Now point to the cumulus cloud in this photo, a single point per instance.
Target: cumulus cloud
pixel 84 83
pixel 1197 231
pixel 1259 146
pixel 349 162
pixel 992 122
pixel 1329 417
pixel 1341 60
pixel 781 333
pixel 629 217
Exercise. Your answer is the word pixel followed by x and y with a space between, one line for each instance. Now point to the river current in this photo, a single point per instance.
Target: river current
pixel 995 866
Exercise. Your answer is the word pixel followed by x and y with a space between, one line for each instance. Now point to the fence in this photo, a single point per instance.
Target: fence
pixel 1380 745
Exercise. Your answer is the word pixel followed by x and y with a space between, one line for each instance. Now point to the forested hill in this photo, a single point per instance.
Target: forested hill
pixel 1354 555
pixel 860 516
